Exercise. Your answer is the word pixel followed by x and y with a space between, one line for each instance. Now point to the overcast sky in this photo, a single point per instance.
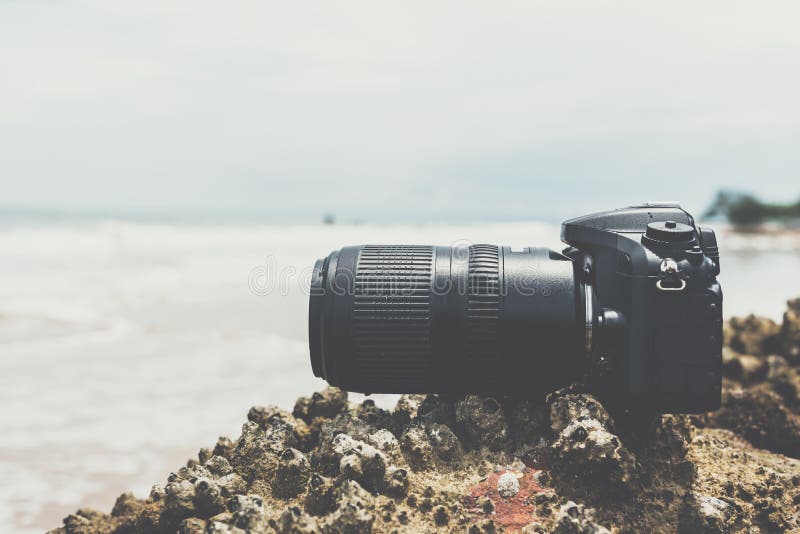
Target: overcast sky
pixel 376 109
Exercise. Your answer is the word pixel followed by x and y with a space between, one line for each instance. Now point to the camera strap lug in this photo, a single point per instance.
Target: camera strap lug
pixel 671 275
pixel 679 287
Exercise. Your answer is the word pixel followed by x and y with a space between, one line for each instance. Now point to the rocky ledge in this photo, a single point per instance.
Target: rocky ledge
pixel 482 465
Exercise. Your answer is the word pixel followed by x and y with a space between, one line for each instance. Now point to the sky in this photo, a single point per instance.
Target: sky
pixel 402 110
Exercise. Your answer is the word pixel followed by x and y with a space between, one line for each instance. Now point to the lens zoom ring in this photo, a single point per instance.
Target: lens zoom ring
pixel 391 314
pixel 483 313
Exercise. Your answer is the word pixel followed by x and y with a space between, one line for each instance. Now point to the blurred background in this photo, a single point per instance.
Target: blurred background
pixel 169 171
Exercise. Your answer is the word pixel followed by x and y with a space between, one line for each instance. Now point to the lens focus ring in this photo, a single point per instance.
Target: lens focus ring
pixel 391 325
pixel 483 313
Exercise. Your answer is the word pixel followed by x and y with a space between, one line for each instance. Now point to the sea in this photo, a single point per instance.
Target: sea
pixel 126 346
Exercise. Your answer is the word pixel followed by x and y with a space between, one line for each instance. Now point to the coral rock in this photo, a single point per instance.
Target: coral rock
pixel 761 417
pixel 566 407
pixel 528 423
pixel 360 461
pixel 417 449
pixel 397 482
pixel 218 466
pixel 291 474
pixel 445 443
pixel 406 408
pixel 248 512
pixel 352 515
pixel 703 513
pixel 209 499
pixel 325 404
pixel 179 498
pixel 217 527
pixel 321 496
pixel 441 516
pixel 223 447
pixel 437 409
pixel 439 463
pixel 586 449
pixel 483 421
pixel 508 485
pixel 576 519
pixel 790 332
pixel 384 441
pixel 192 525
pixel 294 521
pixel 753 335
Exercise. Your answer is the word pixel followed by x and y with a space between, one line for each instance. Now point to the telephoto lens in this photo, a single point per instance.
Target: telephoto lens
pixel 431 319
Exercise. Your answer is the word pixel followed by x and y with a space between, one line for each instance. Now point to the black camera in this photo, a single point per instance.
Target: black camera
pixel 631 308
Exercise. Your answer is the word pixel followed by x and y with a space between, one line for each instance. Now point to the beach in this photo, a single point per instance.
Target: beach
pixel 126 346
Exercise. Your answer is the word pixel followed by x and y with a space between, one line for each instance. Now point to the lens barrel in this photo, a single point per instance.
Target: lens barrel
pixel 430 319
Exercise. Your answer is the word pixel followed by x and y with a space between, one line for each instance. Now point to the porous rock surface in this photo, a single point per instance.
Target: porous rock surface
pixel 473 464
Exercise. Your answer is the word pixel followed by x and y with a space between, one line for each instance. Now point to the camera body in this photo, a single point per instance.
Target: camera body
pixel 632 308
pixel 657 307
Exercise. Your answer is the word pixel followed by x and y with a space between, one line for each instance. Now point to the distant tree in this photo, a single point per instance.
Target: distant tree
pixel 745 210
pixel 721 203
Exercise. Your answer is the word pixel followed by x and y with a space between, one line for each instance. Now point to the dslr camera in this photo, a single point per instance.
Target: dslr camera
pixel 631 309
